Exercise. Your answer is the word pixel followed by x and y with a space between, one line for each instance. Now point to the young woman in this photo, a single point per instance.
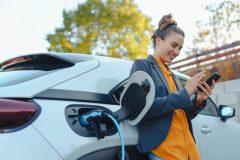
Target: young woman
pixel 166 131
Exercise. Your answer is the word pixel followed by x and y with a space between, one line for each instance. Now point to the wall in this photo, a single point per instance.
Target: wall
pixel 228 93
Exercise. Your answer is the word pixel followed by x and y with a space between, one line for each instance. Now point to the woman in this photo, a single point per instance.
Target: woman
pixel 166 131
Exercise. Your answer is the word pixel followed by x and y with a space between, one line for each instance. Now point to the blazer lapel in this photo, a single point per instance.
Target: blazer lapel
pixel 152 61
pixel 178 84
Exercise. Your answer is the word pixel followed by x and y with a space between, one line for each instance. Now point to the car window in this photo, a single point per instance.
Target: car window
pixel 28 67
pixel 182 81
pixel 210 109
pixel 41 62
pixel 24 68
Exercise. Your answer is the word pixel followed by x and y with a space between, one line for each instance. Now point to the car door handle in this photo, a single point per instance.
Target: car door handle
pixel 206 130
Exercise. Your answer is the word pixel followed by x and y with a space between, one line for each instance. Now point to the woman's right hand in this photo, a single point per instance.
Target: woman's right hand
pixel 191 84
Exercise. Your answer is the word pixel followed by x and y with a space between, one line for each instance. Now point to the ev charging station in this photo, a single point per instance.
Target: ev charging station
pixel 135 100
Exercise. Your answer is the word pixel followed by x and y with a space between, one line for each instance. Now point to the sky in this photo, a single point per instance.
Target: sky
pixel 24 24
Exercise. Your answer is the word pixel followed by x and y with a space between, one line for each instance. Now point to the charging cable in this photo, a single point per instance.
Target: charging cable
pixel 87 120
pixel 120 134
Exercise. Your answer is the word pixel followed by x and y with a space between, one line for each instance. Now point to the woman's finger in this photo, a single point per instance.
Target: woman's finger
pixel 208 88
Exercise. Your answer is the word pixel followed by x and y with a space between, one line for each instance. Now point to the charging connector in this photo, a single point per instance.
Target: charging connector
pixel 94 118
pixel 87 119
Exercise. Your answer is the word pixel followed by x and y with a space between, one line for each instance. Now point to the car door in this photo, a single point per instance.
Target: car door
pixel 217 139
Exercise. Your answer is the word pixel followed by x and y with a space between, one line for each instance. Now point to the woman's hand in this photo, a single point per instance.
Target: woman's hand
pixel 205 93
pixel 192 83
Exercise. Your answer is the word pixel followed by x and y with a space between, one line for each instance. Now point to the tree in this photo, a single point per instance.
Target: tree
pixel 116 28
pixel 221 28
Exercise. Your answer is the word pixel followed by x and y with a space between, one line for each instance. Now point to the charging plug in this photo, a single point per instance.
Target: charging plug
pixel 87 119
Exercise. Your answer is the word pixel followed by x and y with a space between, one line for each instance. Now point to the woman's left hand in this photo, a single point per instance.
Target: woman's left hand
pixel 205 93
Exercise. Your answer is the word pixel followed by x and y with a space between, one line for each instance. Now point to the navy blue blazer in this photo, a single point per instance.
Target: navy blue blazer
pixel 155 125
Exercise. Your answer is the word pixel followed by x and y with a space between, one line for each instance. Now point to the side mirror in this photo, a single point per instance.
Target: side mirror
pixel 226 112
pixel 136 98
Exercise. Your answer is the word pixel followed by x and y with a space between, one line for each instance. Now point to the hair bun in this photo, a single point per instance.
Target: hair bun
pixel 166 21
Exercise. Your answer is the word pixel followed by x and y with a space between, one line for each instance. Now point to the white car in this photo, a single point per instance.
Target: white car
pixel 43 95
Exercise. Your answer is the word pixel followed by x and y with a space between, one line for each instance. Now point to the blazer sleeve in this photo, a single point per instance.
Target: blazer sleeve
pixel 165 104
pixel 193 112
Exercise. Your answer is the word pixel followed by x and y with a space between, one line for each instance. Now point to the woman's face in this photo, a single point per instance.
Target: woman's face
pixel 170 47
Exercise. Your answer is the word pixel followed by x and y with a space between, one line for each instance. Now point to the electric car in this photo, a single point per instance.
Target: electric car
pixel 43 97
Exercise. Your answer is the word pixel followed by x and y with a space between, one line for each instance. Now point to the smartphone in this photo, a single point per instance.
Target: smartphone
pixel 215 76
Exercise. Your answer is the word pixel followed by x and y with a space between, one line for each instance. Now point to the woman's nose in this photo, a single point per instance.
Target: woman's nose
pixel 176 51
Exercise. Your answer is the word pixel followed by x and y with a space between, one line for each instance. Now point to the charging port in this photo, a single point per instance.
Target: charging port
pixel 73 112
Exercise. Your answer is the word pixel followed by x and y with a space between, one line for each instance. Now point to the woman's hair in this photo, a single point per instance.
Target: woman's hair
pixel 166 25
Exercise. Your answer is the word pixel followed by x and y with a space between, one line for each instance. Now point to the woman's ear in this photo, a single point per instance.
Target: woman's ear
pixel 158 40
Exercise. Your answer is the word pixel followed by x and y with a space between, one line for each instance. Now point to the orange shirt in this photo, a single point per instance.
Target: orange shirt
pixel 179 143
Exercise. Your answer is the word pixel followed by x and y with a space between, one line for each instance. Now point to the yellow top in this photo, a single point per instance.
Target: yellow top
pixel 179 143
